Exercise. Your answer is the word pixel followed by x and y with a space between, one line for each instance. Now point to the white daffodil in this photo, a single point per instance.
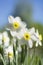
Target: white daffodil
pixel 5 39
pixel 27 36
pixel 0 38
pixel 39 38
pixel 16 23
pixel 9 51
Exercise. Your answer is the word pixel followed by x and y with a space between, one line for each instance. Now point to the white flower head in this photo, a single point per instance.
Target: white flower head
pixel 39 38
pixel 27 35
pixel 9 51
pixel 5 38
pixel 16 22
pixel 0 38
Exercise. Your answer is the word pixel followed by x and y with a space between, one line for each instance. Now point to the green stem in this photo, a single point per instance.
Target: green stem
pixel 34 51
pixel 17 59
pixel 2 59
pixel 27 55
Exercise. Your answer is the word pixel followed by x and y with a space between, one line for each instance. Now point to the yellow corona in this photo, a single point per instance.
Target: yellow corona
pixel 16 25
pixel 26 36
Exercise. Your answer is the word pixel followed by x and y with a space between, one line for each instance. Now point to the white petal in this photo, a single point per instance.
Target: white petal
pixel 7 29
pixel 7 39
pixel 23 25
pixel 16 52
pixel 14 41
pixel 0 36
pixel 0 42
pixel 36 34
pixel 10 19
pixel 18 19
pixel 30 43
pixel 40 43
pixel 6 44
pixel 13 33
pixel 5 33
pixel 32 30
pixel 9 49
pixel 34 38
pixel 37 44
pixel 19 35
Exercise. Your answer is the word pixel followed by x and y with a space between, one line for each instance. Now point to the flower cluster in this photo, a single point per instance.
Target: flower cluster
pixel 19 32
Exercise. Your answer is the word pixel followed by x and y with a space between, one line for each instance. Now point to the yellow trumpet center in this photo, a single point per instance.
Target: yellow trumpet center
pixel 40 37
pixel 16 25
pixel 26 36
pixel 10 55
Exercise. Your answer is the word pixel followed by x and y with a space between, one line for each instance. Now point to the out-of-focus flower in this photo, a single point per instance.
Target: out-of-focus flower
pixel 39 38
pixel 5 39
pixel 16 52
pixel 19 48
pixel 9 51
pixel 16 23
pixel 27 36
pixel 0 38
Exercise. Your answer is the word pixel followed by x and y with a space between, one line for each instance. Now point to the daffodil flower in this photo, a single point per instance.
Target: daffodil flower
pixel 16 23
pixel 5 39
pixel 39 38
pixel 9 52
pixel 26 35
pixel 0 38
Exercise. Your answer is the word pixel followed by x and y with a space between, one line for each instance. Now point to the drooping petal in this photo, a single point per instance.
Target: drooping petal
pixel 40 43
pixel 30 43
pixel 37 34
pixel 13 33
pixel 37 43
